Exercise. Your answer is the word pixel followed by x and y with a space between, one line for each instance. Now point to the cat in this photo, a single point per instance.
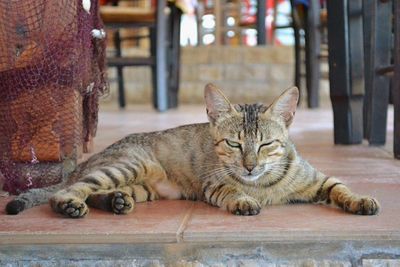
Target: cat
pixel 241 161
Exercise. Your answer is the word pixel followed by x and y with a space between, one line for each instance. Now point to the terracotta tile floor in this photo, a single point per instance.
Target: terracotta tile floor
pixel 368 170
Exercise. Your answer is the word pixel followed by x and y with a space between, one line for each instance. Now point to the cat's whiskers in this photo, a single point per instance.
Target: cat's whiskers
pixel 214 172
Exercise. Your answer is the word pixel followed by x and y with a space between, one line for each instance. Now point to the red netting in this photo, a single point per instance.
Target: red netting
pixel 52 72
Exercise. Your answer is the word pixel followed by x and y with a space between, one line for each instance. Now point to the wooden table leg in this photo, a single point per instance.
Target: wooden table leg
pixel 377 50
pixel 346 69
pixel 396 86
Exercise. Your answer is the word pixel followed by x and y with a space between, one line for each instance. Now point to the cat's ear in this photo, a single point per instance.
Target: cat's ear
pixel 284 107
pixel 217 103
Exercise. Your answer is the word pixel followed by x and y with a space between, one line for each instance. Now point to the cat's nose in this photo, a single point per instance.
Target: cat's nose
pixel 250 167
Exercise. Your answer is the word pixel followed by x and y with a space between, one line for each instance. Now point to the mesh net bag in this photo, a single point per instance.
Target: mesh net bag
pixel 52 72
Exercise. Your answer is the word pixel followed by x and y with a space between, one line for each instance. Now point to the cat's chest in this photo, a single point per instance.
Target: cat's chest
pixel 167 189
pixel 266 196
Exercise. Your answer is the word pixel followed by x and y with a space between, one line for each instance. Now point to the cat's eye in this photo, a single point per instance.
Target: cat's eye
pixel 267 144
pixel 232 143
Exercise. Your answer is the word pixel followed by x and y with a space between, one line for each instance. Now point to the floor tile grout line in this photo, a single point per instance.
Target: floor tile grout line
pixel 184 223
pixel 388 152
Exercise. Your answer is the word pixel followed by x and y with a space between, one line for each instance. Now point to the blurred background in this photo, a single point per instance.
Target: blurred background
pixel 219 43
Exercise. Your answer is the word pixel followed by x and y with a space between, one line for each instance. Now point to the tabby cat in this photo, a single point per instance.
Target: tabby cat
pixel 240 161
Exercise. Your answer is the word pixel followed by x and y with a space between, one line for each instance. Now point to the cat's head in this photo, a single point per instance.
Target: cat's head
pixel 251 140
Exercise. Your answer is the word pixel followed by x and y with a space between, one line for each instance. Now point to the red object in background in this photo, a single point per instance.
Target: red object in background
pixel 247 16
pixel 103 2
pixel 249 11
pixel 270 23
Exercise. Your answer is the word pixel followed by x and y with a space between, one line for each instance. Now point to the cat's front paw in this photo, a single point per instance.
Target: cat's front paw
pixel 73 208
pixel 122 203
pixel 362 206
pixel 246 206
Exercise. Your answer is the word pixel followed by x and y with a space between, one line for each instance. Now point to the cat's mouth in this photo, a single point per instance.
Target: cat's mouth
pixel 251 177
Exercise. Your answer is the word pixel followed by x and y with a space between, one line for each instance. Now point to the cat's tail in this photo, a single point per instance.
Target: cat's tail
pixel 31 198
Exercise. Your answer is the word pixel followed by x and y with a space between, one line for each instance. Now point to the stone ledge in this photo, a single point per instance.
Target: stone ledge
pixel 214 254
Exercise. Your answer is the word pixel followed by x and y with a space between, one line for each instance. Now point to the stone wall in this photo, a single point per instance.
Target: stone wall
pixel 246 74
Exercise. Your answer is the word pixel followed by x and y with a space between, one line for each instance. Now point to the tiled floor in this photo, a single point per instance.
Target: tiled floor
pixel 368 170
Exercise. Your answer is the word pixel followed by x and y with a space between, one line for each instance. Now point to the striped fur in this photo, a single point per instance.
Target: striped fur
pixel 241 161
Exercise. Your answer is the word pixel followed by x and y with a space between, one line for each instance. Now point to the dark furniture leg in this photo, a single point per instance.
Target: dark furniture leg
pixel 174 56
pixel 153 49
pixel 346 69
pixel 297 45
pixel 367 28
pixel 261 38
pixel 160 93
pixel 396 80
pixel 377 38
pixel 120 73
pixel 313 46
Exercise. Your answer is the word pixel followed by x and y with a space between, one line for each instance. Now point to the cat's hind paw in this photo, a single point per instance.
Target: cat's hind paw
pixel 122 203
pixel 246 206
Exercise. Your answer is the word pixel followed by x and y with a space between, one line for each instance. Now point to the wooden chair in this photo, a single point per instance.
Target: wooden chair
pixel 164 48
pixel 312 20
pixel 360 69
pixel 380 22
pixel 377 46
